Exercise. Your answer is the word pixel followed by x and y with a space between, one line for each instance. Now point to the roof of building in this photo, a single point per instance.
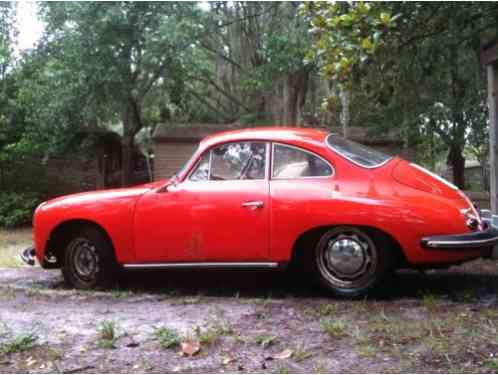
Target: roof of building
pixel 197 132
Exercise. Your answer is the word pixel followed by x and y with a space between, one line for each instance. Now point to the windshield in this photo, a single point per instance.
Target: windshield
pixel 357 153
pixel 187 163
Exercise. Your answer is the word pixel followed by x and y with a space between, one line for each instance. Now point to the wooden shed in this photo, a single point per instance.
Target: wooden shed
pixel 174 144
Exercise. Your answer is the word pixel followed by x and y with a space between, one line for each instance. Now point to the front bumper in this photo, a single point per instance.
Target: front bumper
pixel 480 239
pixel 28 256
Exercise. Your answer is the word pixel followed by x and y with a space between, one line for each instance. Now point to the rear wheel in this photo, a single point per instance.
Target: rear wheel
pixel 350 261
pixel 89 260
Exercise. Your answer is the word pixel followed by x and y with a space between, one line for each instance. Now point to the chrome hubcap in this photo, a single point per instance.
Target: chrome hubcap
pixel 85 258
pixel 346 256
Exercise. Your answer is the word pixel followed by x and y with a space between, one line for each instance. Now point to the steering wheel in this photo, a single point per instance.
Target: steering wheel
pixel 245 167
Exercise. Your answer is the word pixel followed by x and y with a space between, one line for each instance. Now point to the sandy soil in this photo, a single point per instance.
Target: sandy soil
pixel 440 321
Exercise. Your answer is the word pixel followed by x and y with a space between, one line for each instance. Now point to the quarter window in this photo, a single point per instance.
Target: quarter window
pixel 291 162
pixel 232 161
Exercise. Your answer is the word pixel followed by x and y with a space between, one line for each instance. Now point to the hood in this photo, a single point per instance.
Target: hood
pixel 417 177
pixel 93 197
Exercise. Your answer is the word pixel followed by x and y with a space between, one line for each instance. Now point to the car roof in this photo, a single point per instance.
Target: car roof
pixel 270 133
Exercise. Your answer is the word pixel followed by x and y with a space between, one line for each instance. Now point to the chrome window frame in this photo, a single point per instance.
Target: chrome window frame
pixel 353 161
pixel 274 144
pixel 210 150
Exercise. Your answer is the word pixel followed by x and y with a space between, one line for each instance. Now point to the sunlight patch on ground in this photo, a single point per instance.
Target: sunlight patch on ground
pixel 12 242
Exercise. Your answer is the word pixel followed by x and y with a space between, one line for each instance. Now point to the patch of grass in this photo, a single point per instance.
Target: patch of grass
pixel 53 354
pixel 335 328
pixel 12 243
pixel 300 355
pixel 107 335
pixel 265 340
pixel 327 309
pixel 207 336
pixel 168 338
pixel 119 293
pixel 191 300
pixel 429 301
pixel 492 364
pixel 283 370
pixel 223 328
pixel 18 344
pixel 466 295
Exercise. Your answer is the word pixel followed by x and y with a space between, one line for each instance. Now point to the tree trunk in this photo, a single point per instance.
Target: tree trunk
pixel 295 87
pixel 345 96
pixel 130 116
pixel 457 162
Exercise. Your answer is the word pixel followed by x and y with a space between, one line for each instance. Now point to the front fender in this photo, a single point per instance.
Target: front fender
pixel 114 216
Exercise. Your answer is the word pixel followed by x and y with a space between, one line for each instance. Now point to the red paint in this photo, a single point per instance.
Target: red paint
pixel 204 221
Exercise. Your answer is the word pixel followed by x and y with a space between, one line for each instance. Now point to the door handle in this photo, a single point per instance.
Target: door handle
pixel 253 205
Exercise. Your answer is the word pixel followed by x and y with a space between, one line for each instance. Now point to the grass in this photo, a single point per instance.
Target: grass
pixel 18 344
pixel 301 354
pixel 207 336
pixel 107 335
pixel 335 328
pixel 12 243
pixel 168 338
pixel 265 340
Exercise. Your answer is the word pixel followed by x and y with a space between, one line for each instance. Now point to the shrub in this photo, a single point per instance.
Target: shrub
pixel 17 208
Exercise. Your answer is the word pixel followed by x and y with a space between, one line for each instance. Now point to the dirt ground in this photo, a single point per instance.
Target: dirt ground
pixel 444 321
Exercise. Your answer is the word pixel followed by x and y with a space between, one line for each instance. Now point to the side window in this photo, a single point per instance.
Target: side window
pixel 201 171
pixel 232 161
pixel 291 162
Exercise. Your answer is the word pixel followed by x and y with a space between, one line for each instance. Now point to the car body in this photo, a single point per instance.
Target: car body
pixel 267 197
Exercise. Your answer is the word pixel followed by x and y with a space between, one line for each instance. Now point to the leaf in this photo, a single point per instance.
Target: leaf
pixel 190 348
pixel 287 353
pixel 385 18
pixel 228 360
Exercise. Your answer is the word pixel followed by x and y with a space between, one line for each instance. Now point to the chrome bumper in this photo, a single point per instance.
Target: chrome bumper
pixel 28 256
pixel 480 239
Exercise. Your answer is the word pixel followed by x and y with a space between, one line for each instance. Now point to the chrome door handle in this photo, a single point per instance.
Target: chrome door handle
pixel 253 204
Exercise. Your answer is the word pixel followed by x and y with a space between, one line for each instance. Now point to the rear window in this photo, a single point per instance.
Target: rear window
pixel 357 153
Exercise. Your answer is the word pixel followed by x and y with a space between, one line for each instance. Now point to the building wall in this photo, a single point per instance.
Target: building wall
pixel 169 157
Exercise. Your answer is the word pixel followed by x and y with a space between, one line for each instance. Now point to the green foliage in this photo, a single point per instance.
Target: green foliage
pixel 107 335
pixel 168 338
pixel 18 344
pixel 17 208
pixel 413 67
pixel 347 35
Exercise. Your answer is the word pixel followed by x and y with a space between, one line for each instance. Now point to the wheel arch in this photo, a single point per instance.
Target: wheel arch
pixel 61 234
pixel 306 242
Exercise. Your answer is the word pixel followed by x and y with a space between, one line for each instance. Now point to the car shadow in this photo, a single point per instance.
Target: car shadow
pixel 455 285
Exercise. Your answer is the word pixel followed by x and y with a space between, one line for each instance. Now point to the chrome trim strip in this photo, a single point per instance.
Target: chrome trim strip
pixel 470 243
pixel 274 144
pixel 201 265
pixel 353 161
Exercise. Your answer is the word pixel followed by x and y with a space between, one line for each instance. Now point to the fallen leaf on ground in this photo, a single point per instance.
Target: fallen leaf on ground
pixel 30 361
pixel 190 348
pixel 228 360
pixel 287 353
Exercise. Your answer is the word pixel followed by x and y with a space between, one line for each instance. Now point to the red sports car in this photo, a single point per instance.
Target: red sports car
pixel 263 198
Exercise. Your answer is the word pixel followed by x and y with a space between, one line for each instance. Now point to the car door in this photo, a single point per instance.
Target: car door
pixel 219 213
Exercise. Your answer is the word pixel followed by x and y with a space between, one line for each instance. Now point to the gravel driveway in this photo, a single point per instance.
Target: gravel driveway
pixel 249 322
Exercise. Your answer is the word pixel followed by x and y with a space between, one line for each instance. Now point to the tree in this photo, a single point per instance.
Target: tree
pixel 425 56
pixel 257 70
pixel 118 52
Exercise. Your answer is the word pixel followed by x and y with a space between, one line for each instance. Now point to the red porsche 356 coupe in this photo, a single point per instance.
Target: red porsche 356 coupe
pixel 262 198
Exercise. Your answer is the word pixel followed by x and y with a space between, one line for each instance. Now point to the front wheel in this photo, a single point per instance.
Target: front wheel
pixel 350 261
pixel 89 260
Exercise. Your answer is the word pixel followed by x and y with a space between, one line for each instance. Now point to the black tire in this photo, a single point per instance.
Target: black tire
pixel 350 261
pixel 89 260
